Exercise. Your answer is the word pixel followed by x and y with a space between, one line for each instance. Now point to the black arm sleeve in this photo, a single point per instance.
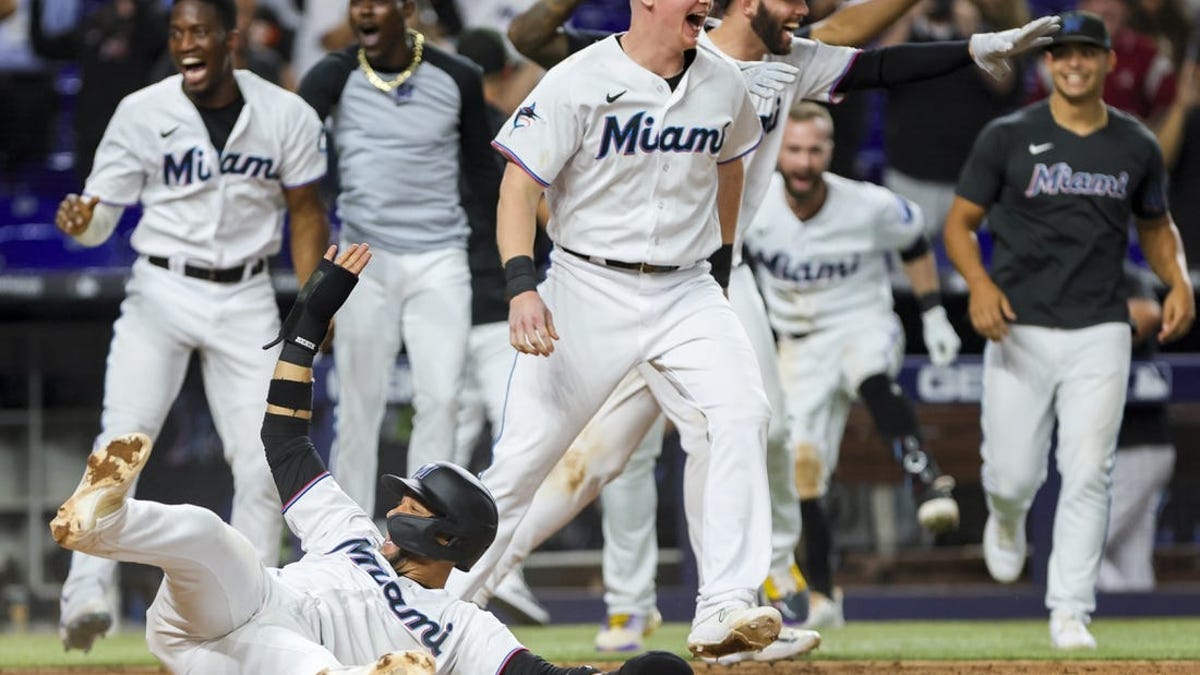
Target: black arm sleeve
pixel 527 663
pixel 322 85
pixel 919 248
pixel 291 455
pixel 900 64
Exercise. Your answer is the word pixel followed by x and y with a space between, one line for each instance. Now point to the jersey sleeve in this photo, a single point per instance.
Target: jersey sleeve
pixel 482 645
pixel 545 131
pixel 746 132
pixel 118 171
pixel 821 66
pixel 982 175
pixel 901 222
pixel 322 516
pixel 304 157
pixel 1149 197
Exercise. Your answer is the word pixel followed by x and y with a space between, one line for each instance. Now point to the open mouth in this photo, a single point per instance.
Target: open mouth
pixel 368 36
pixel 194 69
pixel 789 30
pixel 696 20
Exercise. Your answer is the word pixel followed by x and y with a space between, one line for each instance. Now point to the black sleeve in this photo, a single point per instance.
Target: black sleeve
pixel 528 663
pixel 919 248
pixel 480 170
pixel 982 175
pixel 900 64
pixel 322 85
pixel 291 455
pixel 448 16
pixel 580 38
pixel 64 46
pixel 1150 195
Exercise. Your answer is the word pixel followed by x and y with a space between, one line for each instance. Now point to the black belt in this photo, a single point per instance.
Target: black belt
pixel 228 275
pixel 622 265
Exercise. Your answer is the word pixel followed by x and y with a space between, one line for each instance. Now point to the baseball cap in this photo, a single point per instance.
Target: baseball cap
pixel 1082 27
pixel 485 47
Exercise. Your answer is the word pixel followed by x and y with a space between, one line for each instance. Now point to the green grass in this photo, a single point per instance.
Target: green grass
pixel 1152 639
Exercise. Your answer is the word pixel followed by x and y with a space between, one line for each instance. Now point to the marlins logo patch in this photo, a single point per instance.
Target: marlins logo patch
pixel 526 116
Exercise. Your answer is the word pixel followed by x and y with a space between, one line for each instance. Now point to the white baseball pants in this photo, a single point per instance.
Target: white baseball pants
pixel 422 300
pixel 203 620
pixel 611 320
pixel 1078 377
pixel 485 378
pixel 164 318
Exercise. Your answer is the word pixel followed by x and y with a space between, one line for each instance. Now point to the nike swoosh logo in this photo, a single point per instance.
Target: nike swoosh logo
pixel 168 132
pixel 612 97
pixel 1039 149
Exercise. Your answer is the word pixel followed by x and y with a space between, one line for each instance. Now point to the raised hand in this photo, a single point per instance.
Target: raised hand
pixel 75 213
pixel 991 51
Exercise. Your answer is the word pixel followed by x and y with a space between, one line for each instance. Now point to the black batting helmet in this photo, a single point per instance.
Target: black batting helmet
pixel 464 518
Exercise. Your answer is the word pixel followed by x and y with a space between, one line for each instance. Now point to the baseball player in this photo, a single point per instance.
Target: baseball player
pixel 753 32
pixel 354 595
pixel 820 246
pixel 1059 182
pixel 400 108
pixel 215 157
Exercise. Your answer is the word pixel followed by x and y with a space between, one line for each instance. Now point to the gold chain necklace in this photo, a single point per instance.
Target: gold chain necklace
pixel 418 49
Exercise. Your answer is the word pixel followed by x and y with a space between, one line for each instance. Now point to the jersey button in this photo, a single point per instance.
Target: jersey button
pixel 660 206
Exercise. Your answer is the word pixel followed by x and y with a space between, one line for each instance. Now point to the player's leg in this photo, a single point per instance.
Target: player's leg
pixel 237 371
pixel 366 339
pixel 697 323
pixel 825 598
pixel 549 400
pixel 1093 376
pixel 472 413
pixel 212 574
pixel 595 457
pixel 629 524
pixel 872 360
pixel 784 587
pixel 1139 475
pixel 436 322
pixel 1016 418
pixel 147 362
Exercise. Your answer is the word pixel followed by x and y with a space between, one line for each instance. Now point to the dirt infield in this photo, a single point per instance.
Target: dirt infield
pixel 814 666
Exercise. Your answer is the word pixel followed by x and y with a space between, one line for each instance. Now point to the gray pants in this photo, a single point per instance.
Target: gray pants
pixel 1139 476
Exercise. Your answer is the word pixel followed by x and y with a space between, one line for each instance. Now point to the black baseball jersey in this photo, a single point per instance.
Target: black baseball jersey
pixel 1059 209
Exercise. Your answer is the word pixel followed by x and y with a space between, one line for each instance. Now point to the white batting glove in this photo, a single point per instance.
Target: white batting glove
pixel 991 51
pixel 767 78
pixel 940 339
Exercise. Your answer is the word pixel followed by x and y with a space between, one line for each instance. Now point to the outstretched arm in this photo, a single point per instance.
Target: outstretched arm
pixel 295 465
pixel 535 32
pixel 857 23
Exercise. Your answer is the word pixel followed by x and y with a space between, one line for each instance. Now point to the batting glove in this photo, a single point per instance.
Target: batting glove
pixel 991 51
pixel 767 78
pixel 940 339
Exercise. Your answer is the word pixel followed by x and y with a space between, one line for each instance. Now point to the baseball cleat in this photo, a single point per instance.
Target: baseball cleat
pixel 825 612
pixel 792 642
pixel 729 630
pixel 413 662
pixel 91 621
pixel 787 591
pixel 627 632
pixel 110 475
pixel 1069 631
pixel 938 511
pixel 514 597
pixel 1004 548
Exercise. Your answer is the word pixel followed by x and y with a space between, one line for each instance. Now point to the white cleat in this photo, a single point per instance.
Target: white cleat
pixel 110 475
pixel 1004 548
pixel 938 511
pixel 514 597
pixel 825 612
pixel 792 642
pixel 80 628
pixel 1069 631
pixel 730 630
pixel 413 662
pixel 627 632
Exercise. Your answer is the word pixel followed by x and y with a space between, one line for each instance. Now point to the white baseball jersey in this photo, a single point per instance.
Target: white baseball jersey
pixel 814 273
pixel 344 594
pixel 821 67
pixel 628 162
pixel 201 204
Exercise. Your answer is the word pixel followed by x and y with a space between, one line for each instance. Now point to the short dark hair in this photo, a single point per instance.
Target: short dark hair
pixel 226 11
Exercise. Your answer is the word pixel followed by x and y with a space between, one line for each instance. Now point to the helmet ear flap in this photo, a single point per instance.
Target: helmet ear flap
pixel 465 518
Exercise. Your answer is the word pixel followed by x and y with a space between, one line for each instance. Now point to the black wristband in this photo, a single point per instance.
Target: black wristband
pixel 722 264
pixel 927 301
pixel 519 276
pixel 296 355
pixel 290 394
